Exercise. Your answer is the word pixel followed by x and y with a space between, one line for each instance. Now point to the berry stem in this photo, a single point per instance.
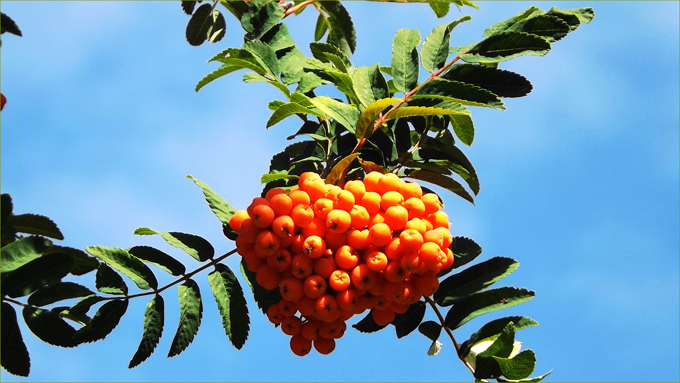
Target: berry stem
pixel 449 332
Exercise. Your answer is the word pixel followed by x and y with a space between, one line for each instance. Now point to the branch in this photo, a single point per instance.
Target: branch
pixel 449 332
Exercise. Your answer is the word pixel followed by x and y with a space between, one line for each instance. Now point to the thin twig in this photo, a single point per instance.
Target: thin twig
pixel 449 332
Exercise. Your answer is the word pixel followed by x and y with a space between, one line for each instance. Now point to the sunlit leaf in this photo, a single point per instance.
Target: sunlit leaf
pixel 493 328
pixel 505 46
pixel 436 45
pixel 345 115
pixel 127 264
pixel 21 252
pixel 405 60
pixel 199 248
pixel 41 271
pixel 339 168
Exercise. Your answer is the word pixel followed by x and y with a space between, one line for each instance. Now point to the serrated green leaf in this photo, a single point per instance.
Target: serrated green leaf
pixel 254 77
pixel 321 26
pixel 218 28
pixel 154 319
pixel 474 279
pixel 82 263
pixel 267 178
pixel 505 46
pixel 405 60
pixel 14 358
pixel 345 115
pixel 231 304
pixel 502 346
pixel 368 325
pixel 264 55
pixel 537 378
pixel 21 252
pixel 519 367
pixel 260 16
pixel 364 127
pixel 440 7
pixel 289 109
pixel 320 51
pixel 221 208
pixel 278 38
pixel 292 64
pixel 199 25
pixel 188 6
pixel 104 321
pixel 49 327
pixel 191 312
pixel 263 297
pixel 196 246
pixel 159 258
pixel 436 45
pixel 501 82
pixel 504 25
pixel 410 111
pixel 36 224
pixel 407 322
pixel 127 264
pixel 369 84
pixel 441 180
pixel 308 82
pixel 573 17
pixel 57 292
pixel 485 302
pixel 552 28
pixel 493 328
pixel 81 307
pixel 465 250
pixel 41 271
pixel 217 73
pixel 108 281
pixel 460 92
pixel 430 329
pixel 339 168
pixel 340 25
pixel 9 25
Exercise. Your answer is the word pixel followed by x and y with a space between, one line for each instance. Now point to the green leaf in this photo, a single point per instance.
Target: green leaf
pixel 267 178
pixel 368 325
pixel 430 329
pixel 9 25
pixel 47 269
pixel 465 250
pixel 369 84
pixel 188 6
pixel 321 27
pixel 264 55
pixel 82 306
pixel 14 358
pixel 405 61
pixel 536 379
pixel 292 63
pixel 127 264
pixel 501 82
pixel 345 115
pixel 341 26
pixel 435 49
pixel 494 328
pixel 254 77
pixel 108 281
pixel 196 246
pixel 104 321
pixel 289 109
pixel 440 7
pixel 441 180
pixel 205 23
pixel 519 367
pixel 573 17
pixel 36 224
pixel 221 208
pixel 407 322
pixel 552 28
pixel 58 292
pixel 504 25
pixel 367 118
pixel 21 252
pixel 485 302
pixel 502 346
pixel 231 304
pixel 321 52
pixel 410 111
pixel 339 168
pixel 82 263
pixel 49 327
pixel 158 258
pixel 309 81
pixel 435 348
pixel 261 16
pixel 191 312
pixel 505 46
pixel 278 37
pixel 474 279
pixel 460 92
pixel 217 73
pixel 263 297
pixel 154 319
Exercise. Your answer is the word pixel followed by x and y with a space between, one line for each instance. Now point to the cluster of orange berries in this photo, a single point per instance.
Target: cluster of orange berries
pixel 334 252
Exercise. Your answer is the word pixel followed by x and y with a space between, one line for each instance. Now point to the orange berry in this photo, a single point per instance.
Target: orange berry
pixel 434 236
pixel 280 261
pixel 431 202
pixel 274 314
pixel 399 308
pixel 253 262
pixel 416 224
pixel 382 317
pixel 378 217
pixel 302 215
pixel 391 198
pixel 380 234
pixel 316 188
pixel 371 201
pixel 346 257
pixel 439 219
pixel 326 305
pixel 411 190
pixel 393 250
pixel 447 238
pixel 449 259
pixel 396 217
pixel 338 221
pixel 299 345
pixel 321 207
pixel 266 243
pixel 297 246
pixel 237 219
pixel 360 217
pixel 335 240
pixel 359 239
pixel 314 286
pixel 291 325
pixel 324 346
pixel 310 330
pixel 249 231
pixel 344 200
pixel 243 247
pixel 339 280
pixel 363 278
pixel 347 298
pixel 427 284
pixel 281 204
pixel 411 261
pixel 301 266
pixel 325 266
pixel 272 192
pixel 330 330
pixel 299 197
pixel 376 261
pixel 415 208
pixel 432 255
pixel 283 226
pixel 395 272
pixel 267 278
pixel 291 289
pixel 389 182
pixel 332 191
pixel 306 306
pixel 308 175
pixel 411 240
pixel 393 290
pixel 314 246
pixel 256 202
pixel 287 308
pixel 357 188
pixel 376 289
pixel 372 180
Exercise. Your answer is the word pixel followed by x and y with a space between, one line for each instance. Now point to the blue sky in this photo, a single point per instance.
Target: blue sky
pixel 579 182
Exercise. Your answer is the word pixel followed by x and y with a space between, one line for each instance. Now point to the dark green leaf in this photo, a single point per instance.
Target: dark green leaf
pixel 127 264
pixel 320 51
pixel 287 110
pixel 263 297
pixel 405 61
pixel 14 358
pixel 345 115
pixel 8 25
pixel 369 84
pixel 519 367
pixel 440 180
pixel 196 246
pixel 493 328
pixel 21 252
pixel 158 258
pixel 278 38
pixel 341 26
pixel 221 208
pixel 552 28
pixel 200 25
pixel 504 25
pixel 485 364
pixel 264 55
pixel 501 82
pixel 430 329
pixel 367 324
pixel 321 27
pixel 292 63
pixel 474 279
pixel 108 281
pixel 460 92
pixel 261 16
pixel 82 262
pixel 436 45
pixel 154 319
pixel 82 306
pixel 364 127
pixel 36 224
pixel 188 6
pixel 103 322
pixel 485 302
pixel 340 168
pixel 465 250
pixel 47 269
pixel 231 304
pixel 49 327
pixel 219 27
pixel 57 292
pixel 191 312
pixel 407 322
pixel 573 17
pixel 505 46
